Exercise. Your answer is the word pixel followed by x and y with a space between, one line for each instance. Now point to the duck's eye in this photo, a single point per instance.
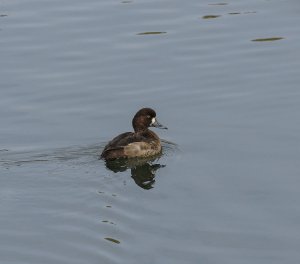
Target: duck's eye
pixel 148 116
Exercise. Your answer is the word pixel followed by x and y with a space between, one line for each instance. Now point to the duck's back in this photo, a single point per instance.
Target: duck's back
pixel 130 144
pixel 115 148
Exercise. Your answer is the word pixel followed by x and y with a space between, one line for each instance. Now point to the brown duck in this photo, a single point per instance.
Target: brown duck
pixel 140 143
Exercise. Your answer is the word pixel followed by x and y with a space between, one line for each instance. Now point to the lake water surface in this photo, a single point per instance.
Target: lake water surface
pixel 222 75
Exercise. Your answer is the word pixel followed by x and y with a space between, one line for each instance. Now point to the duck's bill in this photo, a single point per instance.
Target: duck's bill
pixel 155 123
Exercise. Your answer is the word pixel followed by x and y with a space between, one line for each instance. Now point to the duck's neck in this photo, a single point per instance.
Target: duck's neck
pixel 141 129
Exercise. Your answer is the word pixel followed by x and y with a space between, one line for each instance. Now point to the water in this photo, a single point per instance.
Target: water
pixel 222 75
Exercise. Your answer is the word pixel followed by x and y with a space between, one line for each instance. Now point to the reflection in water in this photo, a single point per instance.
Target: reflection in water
pixel 144 175
pixel 142 170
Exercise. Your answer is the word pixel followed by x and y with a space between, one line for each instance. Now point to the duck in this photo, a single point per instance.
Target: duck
pixel 141 143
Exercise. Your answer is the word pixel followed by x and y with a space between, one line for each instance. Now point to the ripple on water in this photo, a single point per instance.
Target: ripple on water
pixel 76 153
pixel 210 16
pixel 218 4
pixel 267 39
pixel 152 33
pixel 69 209
pixel 69 68
pixel 113 240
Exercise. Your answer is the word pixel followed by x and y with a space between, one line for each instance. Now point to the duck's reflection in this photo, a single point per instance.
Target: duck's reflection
pixel 144 175
pixel 142 170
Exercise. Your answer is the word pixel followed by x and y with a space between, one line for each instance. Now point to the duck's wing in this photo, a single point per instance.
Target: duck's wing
pixel 118 143
pixel 122 140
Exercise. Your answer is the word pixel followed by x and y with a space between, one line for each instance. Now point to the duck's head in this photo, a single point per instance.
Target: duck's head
pixel 144 118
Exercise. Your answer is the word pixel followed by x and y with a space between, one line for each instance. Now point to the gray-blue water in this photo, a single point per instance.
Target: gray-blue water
pixel 222 75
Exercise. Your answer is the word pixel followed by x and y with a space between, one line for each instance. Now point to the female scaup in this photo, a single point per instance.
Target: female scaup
pixel 140 143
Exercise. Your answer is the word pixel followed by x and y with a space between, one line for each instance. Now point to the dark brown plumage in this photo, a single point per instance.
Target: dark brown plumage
pixel 140 143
